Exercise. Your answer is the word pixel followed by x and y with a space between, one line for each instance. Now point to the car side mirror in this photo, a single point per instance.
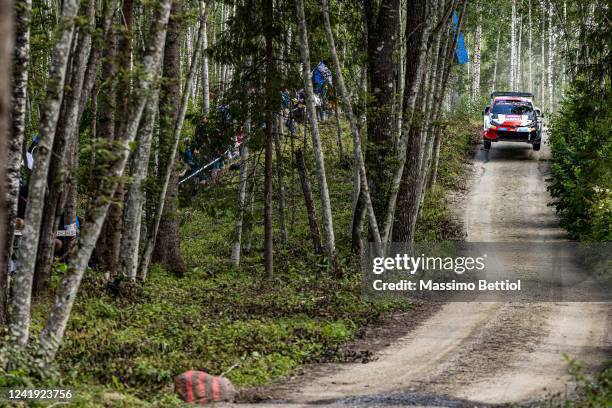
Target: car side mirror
pixel 538 112
pixel 486 110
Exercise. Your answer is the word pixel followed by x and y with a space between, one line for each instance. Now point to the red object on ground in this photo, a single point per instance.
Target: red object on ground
pixel 198 387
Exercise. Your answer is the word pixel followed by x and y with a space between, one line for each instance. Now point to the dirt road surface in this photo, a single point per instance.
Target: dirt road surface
pixel 478 353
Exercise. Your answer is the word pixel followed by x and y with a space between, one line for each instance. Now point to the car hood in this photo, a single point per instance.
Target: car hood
pixel 513 120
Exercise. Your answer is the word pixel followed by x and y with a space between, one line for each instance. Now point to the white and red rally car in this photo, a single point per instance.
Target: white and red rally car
pixel 512 117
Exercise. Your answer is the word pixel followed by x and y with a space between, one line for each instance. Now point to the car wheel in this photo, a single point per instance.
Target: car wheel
pixel 536 146
pixel 487 144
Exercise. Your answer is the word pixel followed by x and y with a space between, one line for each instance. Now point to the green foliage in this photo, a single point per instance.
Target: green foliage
pixel 436 219
pixel 581 145
pixel 593 391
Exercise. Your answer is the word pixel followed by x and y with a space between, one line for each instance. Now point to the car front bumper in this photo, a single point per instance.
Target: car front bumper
pixel 512 134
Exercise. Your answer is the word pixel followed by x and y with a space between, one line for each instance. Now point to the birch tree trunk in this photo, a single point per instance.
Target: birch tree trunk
pixel 20 66
pixel 244 174
pixel 310 208
pixel 493 86
pixel 6 50
pixel 551 51
pixel 543 55
pixel 53 331
pixel 530 51
pixel 133 207
pixel 205 73
pixel 167 174
pixel 519 49
pixel 513 47
pixel 242 187
pixel 476 73
pixel 278 152
pixel 26 255
pixel 330 243
pixel 269 111
pixel 348 108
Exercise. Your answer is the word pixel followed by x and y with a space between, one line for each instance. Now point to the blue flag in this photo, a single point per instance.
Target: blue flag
pixel 461 52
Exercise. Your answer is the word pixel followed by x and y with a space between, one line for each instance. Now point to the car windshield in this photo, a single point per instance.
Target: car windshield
pixel 512 108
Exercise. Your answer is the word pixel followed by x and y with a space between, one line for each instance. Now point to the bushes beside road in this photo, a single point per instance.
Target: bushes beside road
pixel 581 144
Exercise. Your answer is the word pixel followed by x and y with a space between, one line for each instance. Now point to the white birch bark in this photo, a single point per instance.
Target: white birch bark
pixel 551 51
pixel 135 200
pixel 20 68
pixel 530 51
pixel 178 128
pixel 543 55
pixel 518 75
pixel 330 242
pixel 6 50
pixel 55 326
pixel 513 47
pixel 205 73
pixel 26 255
pixel 494 84
pixel 348 109
pixel 477 45
pixel 242 187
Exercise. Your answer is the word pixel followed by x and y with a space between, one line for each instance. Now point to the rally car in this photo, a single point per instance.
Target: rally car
pixel 512 117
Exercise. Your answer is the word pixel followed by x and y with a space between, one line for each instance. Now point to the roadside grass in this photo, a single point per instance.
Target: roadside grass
pixel 125 343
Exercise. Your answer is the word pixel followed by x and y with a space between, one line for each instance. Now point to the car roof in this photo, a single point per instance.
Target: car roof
pixel 511 99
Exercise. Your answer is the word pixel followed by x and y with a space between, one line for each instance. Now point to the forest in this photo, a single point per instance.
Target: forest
pixel 192 184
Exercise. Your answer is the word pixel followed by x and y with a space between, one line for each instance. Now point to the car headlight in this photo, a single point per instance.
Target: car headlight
pixel 531 124
pixel 495 123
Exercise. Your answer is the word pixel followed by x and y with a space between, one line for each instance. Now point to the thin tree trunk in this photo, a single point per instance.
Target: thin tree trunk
pixel 339 133
pixel 316 140
pixel 270 108
pixel 310 208
pixel 519 51
pixel 551 52
pixel 169 169
pixel 280 173
pixel 26 255
pixel 513 46
pixel 20 67
pixel 251 207
pixel 543 55
pixel 476 72
pixel 530 51
pixel 55 326
pixel 494 85
pixel 133 213
pixel 205 74
pixel 347 107
pixel 242 187
pixel 6 50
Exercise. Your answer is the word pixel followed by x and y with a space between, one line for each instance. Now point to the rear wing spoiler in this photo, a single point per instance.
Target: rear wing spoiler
pixel 517 94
